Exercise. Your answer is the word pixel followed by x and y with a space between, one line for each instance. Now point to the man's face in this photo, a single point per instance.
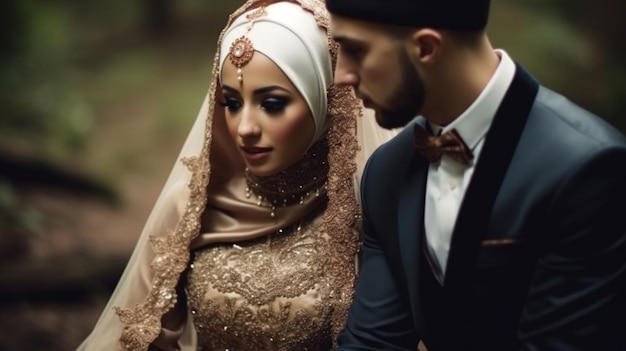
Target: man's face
pixel 376 65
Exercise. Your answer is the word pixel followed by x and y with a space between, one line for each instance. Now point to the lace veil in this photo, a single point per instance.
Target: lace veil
pixel 203 202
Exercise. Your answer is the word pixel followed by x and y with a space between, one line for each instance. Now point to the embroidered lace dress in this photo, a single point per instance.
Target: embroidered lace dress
pixel 271 293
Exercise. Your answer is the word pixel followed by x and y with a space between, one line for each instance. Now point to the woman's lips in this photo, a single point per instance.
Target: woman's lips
pixel 255 153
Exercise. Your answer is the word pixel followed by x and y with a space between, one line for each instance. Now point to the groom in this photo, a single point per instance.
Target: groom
pixel 496 219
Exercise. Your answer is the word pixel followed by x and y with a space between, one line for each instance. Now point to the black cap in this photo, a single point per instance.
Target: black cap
pixel 464 15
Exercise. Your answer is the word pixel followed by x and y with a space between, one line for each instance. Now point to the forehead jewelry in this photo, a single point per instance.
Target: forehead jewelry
pixel 241 50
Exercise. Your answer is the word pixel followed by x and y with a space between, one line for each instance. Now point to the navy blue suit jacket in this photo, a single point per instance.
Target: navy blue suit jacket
pixel 538 254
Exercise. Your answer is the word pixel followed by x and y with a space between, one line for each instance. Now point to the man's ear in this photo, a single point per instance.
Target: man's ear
pixel 425 45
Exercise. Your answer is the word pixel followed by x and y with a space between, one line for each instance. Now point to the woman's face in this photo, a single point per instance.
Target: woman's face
pixel 266 116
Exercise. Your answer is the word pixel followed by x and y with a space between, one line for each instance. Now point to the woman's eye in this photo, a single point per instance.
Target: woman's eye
pixel 271 105
pixel 231 104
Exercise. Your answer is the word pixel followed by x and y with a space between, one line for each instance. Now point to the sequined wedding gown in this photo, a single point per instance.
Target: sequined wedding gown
pixel 271 293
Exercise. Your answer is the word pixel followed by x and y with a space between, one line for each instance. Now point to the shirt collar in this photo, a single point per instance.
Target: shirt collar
pixel 474 122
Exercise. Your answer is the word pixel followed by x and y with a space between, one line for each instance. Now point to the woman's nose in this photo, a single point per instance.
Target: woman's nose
pixel 248 124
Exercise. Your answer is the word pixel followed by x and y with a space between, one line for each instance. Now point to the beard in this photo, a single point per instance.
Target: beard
pixel 407 98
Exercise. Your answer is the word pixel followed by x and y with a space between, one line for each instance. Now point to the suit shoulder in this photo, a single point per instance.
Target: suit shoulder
pixel 397 150
pixel 389 162
pixel 573 124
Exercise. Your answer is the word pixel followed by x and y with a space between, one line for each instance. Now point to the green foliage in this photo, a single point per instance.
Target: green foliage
pixel 89 89
pixel 573 47
pixel 17 218
pixel 41 113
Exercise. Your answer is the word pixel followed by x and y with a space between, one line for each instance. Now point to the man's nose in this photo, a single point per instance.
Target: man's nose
pixel 344 73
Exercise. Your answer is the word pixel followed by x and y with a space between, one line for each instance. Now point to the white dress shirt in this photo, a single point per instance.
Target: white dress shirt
pixel 448 179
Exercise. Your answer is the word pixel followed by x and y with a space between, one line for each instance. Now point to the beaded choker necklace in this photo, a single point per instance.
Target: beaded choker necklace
pixel 294 184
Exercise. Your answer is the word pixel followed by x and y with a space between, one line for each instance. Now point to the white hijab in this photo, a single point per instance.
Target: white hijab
pixel 289 36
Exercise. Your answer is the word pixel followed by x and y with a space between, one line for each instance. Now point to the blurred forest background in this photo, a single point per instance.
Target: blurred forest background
pixel 96 98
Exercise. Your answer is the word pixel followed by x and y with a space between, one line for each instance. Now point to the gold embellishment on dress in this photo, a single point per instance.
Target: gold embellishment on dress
pixel 270 293
pixel 143 322
pixel 293 185
pixel 343 212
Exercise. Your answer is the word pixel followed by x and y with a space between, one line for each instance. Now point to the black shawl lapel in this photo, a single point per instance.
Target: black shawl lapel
pixel 472 221
pixel 411 224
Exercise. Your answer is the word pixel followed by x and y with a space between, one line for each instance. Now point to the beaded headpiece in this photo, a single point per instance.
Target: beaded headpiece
pixel 286 35
pixel 242 50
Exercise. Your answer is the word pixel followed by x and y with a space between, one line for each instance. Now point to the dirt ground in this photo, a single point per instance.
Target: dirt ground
pixel 54 294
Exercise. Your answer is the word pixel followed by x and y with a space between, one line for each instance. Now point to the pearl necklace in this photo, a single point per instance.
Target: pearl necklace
pixel 293 185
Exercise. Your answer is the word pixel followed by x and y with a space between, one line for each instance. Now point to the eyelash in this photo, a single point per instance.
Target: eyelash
pixel 230 104
pixel 273 105
pixel 270 105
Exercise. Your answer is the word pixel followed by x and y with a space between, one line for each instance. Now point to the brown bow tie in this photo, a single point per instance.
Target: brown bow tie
pixel 449 143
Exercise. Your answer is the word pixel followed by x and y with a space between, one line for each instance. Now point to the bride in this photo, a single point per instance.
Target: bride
pixel 253 241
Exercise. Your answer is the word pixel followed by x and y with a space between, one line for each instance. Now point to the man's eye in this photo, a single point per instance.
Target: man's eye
pixel 271 105
pixel 351 51
pixel 231 104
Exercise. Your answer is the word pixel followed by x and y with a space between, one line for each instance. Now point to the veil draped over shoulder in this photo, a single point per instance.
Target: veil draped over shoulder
pixel 203 202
